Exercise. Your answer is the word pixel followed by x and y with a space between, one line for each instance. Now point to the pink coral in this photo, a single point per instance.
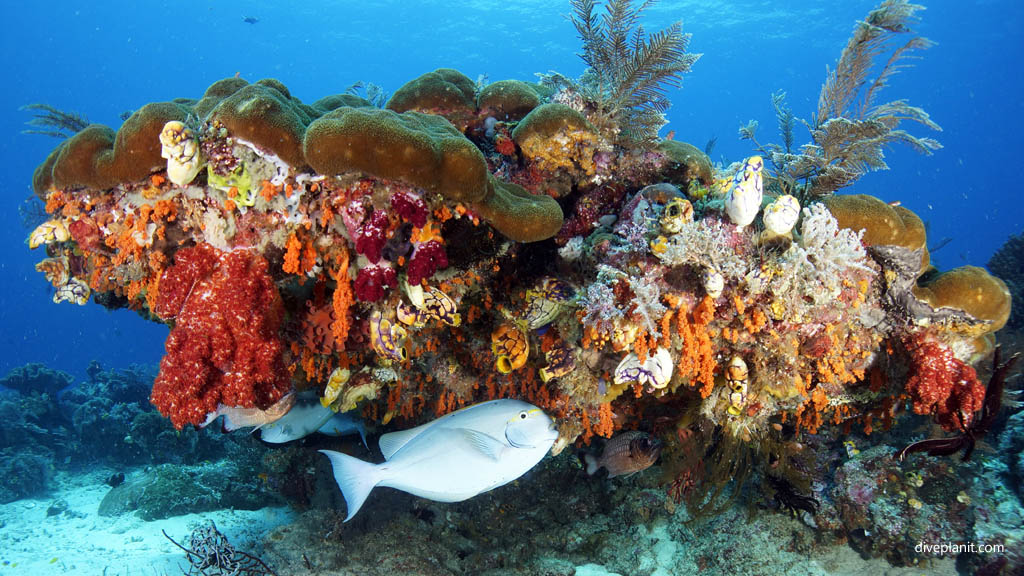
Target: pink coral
pixel 428 258
pixel 372 235
pixel 372 281
pixel 224 347
pixel 941 384
pixel 353 214
pixel 410 208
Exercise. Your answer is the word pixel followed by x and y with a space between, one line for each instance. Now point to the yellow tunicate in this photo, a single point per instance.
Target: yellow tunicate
pixel 338 379
pixel 510 348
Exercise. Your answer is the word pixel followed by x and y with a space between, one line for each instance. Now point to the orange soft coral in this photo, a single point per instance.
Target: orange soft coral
pixel 342 301
pixel 293 252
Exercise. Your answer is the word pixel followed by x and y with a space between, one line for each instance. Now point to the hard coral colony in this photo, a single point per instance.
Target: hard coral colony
pixel 423 252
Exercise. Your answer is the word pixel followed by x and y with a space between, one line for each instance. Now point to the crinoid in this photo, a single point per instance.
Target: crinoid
pixel 788 498
pixel 973 426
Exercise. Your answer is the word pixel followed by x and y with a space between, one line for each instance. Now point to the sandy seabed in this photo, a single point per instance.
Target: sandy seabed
pixel 79 541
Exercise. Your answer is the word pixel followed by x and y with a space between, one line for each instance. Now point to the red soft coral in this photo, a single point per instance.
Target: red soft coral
pixel 87 234
pixel 941 384
pixel 428 258
pixel 372 281
pixel 190 266
pixel 224 347
pixel 372 235
pixel 410 208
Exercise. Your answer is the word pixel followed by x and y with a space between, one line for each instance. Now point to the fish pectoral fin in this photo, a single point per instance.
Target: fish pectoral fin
pixel 487 444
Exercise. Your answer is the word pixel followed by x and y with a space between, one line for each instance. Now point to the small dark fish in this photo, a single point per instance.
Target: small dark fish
pixel 625 454
pixel 250 20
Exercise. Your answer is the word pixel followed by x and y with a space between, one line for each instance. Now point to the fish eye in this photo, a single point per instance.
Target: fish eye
pixel 523 415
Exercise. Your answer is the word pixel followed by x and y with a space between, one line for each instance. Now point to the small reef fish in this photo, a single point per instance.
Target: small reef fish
pixel 625 454
pixel 851 448
pixel 453 458
pixel 306 416
pixel 235 417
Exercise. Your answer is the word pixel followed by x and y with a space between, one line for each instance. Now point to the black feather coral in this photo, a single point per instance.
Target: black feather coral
pixel 630 70
pixel 850 129
pixel 50 121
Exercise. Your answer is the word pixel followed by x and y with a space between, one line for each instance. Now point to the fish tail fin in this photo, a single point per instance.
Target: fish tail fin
pixel 592 464
pixel 209 419
pixel 362 434
pixel 355 478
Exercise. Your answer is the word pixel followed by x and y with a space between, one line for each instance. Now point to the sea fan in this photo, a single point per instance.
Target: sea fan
pixel 630 70
pixel 849 130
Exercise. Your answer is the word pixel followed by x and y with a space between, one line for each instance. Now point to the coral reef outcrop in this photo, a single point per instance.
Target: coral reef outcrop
pixel 472 242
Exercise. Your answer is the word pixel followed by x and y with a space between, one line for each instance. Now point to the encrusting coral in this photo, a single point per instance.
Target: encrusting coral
pixel 408 261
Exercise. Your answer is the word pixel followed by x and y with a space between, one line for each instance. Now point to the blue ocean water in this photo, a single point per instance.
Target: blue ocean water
pixel 105 58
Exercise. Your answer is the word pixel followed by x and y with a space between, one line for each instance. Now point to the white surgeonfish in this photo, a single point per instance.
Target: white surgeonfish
pixel 344 424
pixel 307 416
pixel 453 458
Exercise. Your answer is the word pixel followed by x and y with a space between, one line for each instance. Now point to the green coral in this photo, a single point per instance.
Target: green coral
pixel 238 179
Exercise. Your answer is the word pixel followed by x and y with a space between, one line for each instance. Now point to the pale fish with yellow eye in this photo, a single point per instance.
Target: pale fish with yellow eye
pixel 510 347
pixel 453 458
pixel 388 339
pixel 743 201
pixel 781 215
pixel 56 270
pixel 336 381
pixel 678 213
pixel 179 145
pixel 561 361
pixel 74 291
pixel 737 376
pixel 48 232
pixel 714 282
pixel 437 304
pixel 653 373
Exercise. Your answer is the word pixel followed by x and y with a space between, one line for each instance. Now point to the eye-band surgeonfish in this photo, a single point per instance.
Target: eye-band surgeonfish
pixel 295 416
pixel 308 415
pixel 453 458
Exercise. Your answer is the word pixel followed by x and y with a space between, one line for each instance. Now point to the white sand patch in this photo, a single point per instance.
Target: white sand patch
pixel 82 542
